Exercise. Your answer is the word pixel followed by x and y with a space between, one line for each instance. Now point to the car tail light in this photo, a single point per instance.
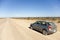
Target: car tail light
pixel 49 27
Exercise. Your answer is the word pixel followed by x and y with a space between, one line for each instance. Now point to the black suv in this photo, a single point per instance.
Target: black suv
pixel 44 27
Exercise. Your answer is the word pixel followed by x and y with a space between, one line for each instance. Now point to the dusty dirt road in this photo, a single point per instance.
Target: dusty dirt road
pixel 13 29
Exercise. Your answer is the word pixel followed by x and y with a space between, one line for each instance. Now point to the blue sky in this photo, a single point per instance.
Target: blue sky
pixel 29 8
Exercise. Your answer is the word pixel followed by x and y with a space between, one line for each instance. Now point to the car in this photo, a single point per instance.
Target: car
pixel 45 27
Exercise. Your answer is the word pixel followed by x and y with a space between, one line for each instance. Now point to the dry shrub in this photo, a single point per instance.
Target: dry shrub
pixel 59 21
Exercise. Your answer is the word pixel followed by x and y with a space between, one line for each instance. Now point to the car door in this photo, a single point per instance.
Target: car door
pixel 43 25
pixel 35 26
pixel 38 26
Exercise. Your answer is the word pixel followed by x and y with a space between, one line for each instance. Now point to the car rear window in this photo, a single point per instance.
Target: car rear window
pixel 50 23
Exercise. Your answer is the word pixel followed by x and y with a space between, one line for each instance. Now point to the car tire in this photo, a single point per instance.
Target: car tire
pixel 45 32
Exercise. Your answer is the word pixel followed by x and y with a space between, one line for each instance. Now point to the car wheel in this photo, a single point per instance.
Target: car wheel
pixel 44 32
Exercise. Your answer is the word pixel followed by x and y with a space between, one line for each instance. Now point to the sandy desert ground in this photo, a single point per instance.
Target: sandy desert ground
pixel 17 29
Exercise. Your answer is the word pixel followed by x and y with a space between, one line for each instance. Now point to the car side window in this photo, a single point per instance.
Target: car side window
pixel 43 24
pixel 37 23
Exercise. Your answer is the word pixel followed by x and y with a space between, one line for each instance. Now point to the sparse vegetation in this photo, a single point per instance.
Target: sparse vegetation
pixel 59 21
pixel 40 18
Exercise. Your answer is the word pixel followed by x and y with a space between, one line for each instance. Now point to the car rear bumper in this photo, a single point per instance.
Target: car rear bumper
pixel 52 31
